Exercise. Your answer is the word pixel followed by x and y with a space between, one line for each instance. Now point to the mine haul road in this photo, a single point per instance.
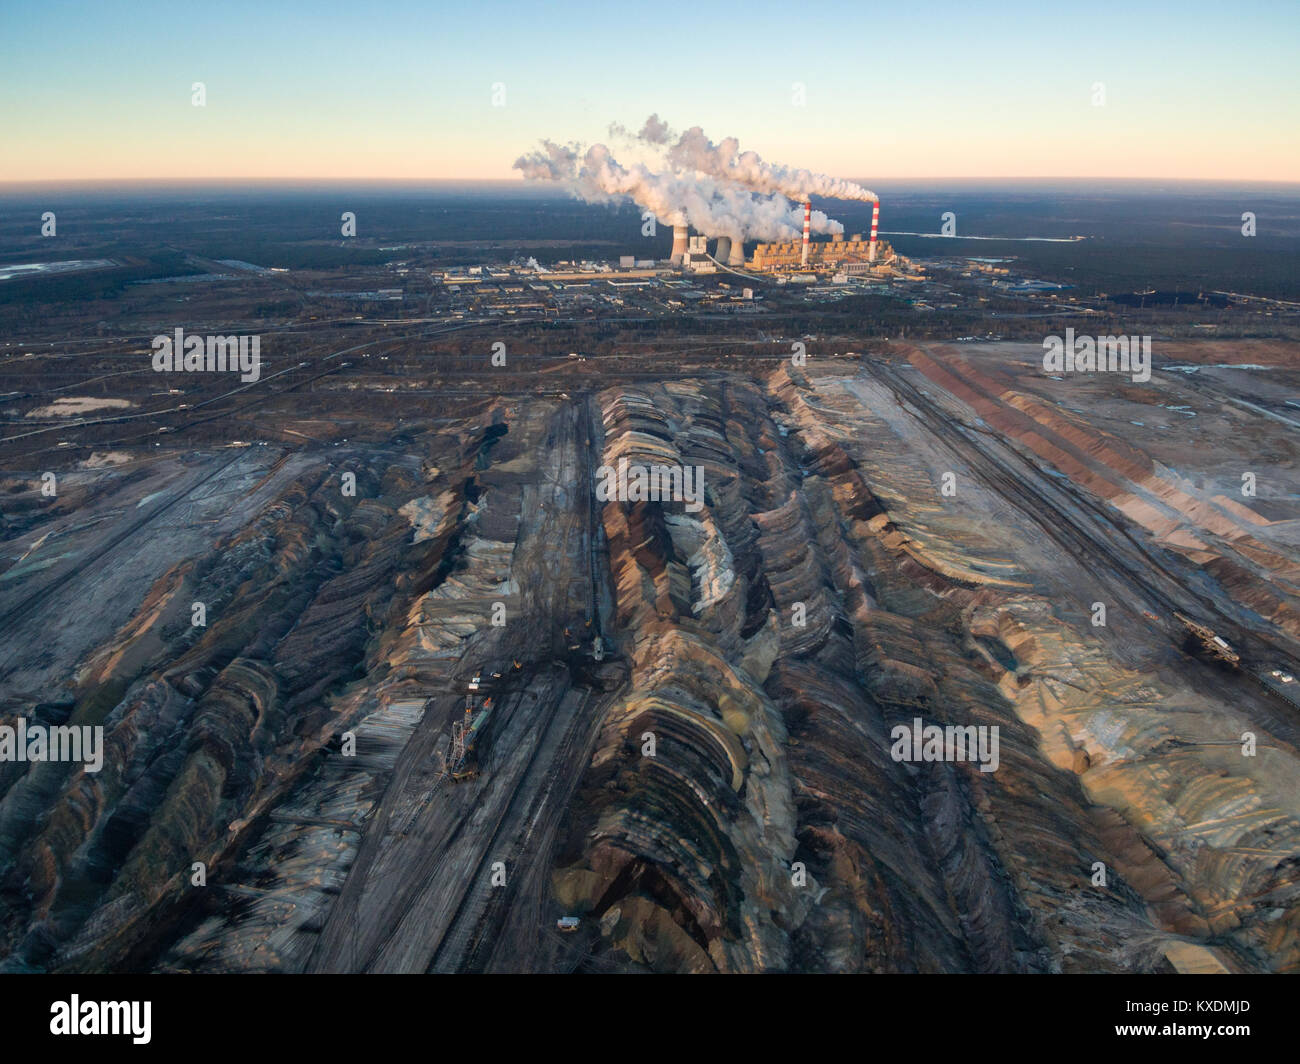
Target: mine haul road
pixel 1131 568
pixel 421 895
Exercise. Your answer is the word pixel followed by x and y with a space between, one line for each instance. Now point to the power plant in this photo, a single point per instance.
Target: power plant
pixel 730 252
pixel 820 254
pixel 720 193
pixel 852 256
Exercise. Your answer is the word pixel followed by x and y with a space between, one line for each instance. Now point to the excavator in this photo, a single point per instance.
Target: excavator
pixel 462 764
pixel 1209 642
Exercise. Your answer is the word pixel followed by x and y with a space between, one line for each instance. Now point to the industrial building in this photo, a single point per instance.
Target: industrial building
pixel 697 257
pixel 690 252
pixel 821 253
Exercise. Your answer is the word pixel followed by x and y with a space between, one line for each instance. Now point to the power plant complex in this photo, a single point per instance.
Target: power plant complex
pixel 720 193
pixel 815 254
pixel 854 255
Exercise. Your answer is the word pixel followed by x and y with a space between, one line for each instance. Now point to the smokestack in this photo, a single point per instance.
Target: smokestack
pixel 807 229
pixel 737 252
pixel 681 238
pixel 724 248
pixel 875 221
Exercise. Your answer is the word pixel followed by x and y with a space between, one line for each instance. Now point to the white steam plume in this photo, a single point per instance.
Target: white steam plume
pixel 711 207
pixel 726 162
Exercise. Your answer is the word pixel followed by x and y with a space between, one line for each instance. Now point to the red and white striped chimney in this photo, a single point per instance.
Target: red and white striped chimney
pixel 875 222
pixel 807 229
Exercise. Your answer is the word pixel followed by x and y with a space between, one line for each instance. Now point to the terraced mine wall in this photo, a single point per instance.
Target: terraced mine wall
pixel 692 745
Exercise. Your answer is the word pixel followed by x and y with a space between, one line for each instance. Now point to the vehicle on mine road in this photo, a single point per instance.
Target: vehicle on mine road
pixel 567 924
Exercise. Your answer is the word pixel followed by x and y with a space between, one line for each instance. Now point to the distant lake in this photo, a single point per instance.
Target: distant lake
pixel 32 269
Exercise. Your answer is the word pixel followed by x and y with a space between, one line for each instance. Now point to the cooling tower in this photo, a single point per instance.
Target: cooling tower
pixel 724 248
pixel 681 239
pixel 737 252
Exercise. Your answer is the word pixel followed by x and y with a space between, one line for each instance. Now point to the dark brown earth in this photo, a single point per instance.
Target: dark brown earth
pixel 827 591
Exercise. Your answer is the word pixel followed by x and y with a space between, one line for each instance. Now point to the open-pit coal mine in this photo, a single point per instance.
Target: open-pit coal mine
pixel 948 665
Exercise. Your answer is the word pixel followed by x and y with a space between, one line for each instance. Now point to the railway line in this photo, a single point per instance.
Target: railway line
pixel 482 917
pixel 479 903
pixel 419 896
pixel 1130 564
pixel 428 867
pixel 1043 507
pixel 21 609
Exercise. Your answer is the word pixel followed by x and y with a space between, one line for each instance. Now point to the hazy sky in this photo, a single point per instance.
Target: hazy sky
pixel 405 90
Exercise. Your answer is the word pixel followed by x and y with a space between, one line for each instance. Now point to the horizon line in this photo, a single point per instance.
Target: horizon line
pixel 525 183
